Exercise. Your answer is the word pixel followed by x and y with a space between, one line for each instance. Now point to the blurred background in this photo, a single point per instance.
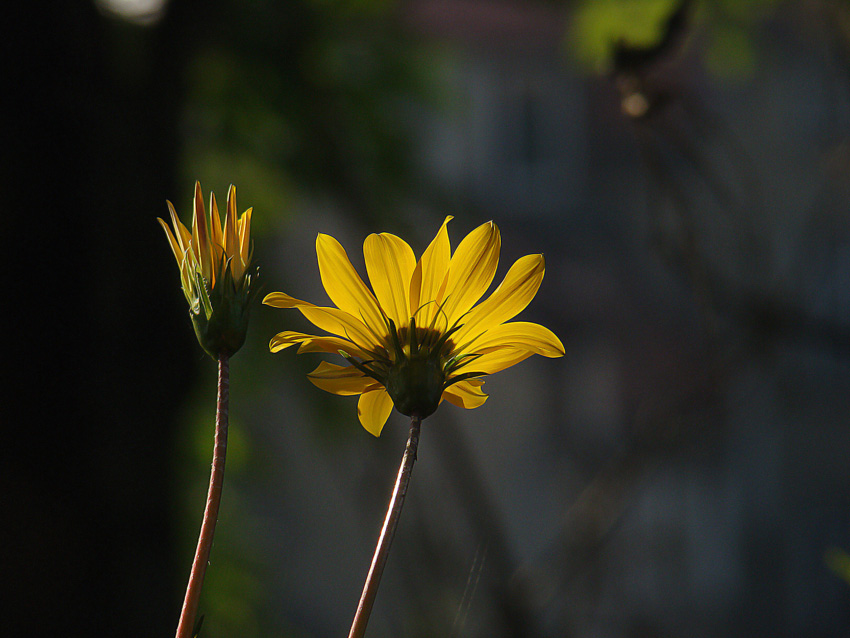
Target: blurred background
pixel 683 165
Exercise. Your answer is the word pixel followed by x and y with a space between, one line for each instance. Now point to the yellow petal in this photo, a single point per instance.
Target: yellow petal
pixel 341 380
pixel 245 236
pixel 282 300
pixel 181 233
pixel 465 394
pixel 339 323
pixel 520 334
pixel 313 343
pixel 390 263
pixel 508 300
pixel 471 270
pixel 374 409
pixel 332 345
pixel 331 320
pixel 231 239
pixel 428 277
pixel 345 287
pixel 200 237
pixel 496 360
pixel 216 239
pixel 172 241
pixel 281 341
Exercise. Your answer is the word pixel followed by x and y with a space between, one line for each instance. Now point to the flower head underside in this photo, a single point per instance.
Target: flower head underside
pixel 418 337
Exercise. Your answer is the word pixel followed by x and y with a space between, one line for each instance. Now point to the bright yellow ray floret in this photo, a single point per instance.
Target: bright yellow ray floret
pixel 417 338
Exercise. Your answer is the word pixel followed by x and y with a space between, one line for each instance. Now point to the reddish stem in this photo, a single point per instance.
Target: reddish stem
pixel 379 560
pixel 202 554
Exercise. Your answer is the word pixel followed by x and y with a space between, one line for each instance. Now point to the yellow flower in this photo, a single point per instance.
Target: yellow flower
pixel 215 271
pixel 419 338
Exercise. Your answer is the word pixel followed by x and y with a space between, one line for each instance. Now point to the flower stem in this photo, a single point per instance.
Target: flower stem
pixel 379 560
pixel 186 626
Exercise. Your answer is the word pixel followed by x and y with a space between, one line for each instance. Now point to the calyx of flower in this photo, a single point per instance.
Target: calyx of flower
pixel 416 384
pixel 220 314
pixel 415 367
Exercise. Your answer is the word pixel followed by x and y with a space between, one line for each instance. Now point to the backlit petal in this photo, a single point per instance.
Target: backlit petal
pixel 390 263
pixel 471 270
pixel 200 236
pixel 282 340
pixel 496 360
pixel 374 409
pixel 520 334
pixel 216 238
pixel 313 343
pixel 465 394
pixel 330 320
pixel 340 323
pixel 332 345
pixel 172 241
pixel 508 300
pixel 344 286
pixel 182 234
pixel 245 236
pixel 429 276
pixel 231 238
pixel 282 300
pixel 341 380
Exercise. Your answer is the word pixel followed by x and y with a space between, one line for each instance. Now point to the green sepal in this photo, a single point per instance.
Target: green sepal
pixel 203 295
pixel 463 377
pixel 459 360
pixel 220 315
pixel 362 366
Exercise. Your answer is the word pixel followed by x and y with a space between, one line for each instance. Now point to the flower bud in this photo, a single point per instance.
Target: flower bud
pixel 218 279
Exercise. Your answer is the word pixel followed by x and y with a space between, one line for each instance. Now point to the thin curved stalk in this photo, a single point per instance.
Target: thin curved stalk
pixel 382 550
pixel 186 626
